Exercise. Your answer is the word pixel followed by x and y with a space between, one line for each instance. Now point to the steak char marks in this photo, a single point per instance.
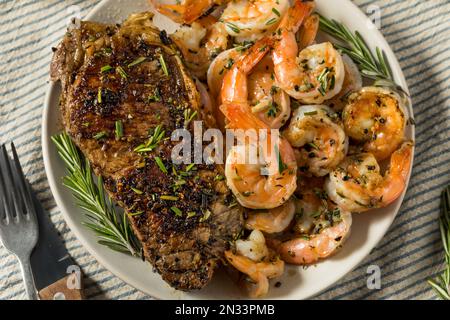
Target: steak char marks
pixel 119 83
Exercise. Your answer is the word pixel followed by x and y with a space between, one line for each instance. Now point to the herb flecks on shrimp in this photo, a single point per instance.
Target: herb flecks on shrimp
pixel 357 184
pixel 376 117
pixel 252 188
pixel 257 262
pixel 318 131
pixel 312 75
pixel 320 230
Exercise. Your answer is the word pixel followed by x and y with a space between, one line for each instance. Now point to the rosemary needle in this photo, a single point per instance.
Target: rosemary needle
pixel 374 67
pixel 112 228
pixel 441 284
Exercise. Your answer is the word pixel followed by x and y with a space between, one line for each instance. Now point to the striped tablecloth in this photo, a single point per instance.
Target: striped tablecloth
pixel 418 32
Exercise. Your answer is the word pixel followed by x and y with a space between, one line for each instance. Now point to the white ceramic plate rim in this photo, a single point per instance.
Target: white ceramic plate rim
pixel 110 260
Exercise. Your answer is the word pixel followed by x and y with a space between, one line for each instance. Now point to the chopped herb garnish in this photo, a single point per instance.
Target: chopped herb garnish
pixel 263 48
pixel 137 191
pixel 138 213
pixel 273 110
pixel 137 61
pixel 229 64
pixel 152 142
pixel 219 177
pixel 244 46
pixel 189 116
pixel 311 113
pixel 190 167
pixel 271 21
pixel 323 80
pixel 161 165
pixel 276 12
pixel 156 97
pixel 177 211
pixel 119 129
pixel 100 135
pixel 169 198
pixel 122 72
pixel 274 90
pixel 313 145
pixel 191 214
pixel 163 65
pixel 206 215
pixel 105 68
pixel 99 95
pixel 281 165
pixel 233 204
pixel 233 27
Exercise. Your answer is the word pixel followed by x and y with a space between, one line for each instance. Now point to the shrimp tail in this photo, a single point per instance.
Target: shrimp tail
pixel 254 55
pixel 239 117
pixel 258 272
pixel 296 14
pixel 396 176
pixel 234 85
pixel 308 31
pixel 186 13
pixel 174 12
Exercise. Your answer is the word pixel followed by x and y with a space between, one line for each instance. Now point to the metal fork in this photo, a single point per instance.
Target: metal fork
pixel 18 223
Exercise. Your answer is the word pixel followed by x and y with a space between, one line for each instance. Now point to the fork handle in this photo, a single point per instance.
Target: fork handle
pixel 28 280
pixel 60 290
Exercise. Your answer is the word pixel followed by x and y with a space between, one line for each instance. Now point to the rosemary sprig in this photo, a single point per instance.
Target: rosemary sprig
pixel 151 144
pixel 441 284
pixel 189 115
pixel 112 229
pixel 375 67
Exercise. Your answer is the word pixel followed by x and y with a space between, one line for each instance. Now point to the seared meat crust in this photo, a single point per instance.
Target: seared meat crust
pixel 130 76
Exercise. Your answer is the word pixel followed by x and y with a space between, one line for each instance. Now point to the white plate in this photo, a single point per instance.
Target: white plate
pixel 368 228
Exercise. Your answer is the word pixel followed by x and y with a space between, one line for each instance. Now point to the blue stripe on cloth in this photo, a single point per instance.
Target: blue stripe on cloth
pixel 405 266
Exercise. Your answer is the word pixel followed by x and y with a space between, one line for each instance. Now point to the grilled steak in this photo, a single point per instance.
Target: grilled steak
pixel 119 83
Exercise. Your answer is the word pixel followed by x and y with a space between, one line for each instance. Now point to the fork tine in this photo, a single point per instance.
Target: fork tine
pixel 23 185
pixel 5 195
pixel 14 203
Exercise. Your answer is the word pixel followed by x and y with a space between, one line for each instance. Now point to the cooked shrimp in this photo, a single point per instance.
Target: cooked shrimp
pixel 216 72
pixel 357 185
pixel 219 67
pixel 376 117
pixel 186 12
pixel 258 267
pixel 272 220
pixel 307 33
pixel 235 82
pixel 254 247
pixel 320 134
pixel 352 82
pixel 313 75
pixel 271 104
pixel 320 230
pixel 200 43
pixel 247 18
pixel 249 182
